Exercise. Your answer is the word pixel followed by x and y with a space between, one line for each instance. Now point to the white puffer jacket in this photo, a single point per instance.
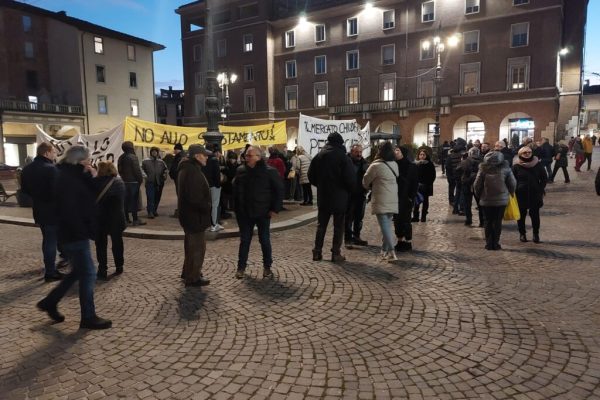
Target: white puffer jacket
pixel 382 182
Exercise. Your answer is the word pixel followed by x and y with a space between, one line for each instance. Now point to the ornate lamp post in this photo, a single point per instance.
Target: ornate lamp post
pixel 212 136
pixel 225 79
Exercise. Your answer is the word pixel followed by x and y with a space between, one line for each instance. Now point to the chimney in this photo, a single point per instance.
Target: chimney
pixel 62 13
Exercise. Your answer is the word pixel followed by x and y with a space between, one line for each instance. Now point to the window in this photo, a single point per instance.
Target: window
pixel 388 54
pixel 520 2
pixel 471 6
pixel 98 45
pixel 471 41
pixel 290 69
pixel 222 48
pixel 100 74
pixel 28 50
pixel 290 39
pixel 197 52
pixel 135 109
pixel 428 11
pixel 291 97
pixel 222 17
pixel 352 26
pixel 248 42
pixel 387 87
pixel 248 11
pixel 352 60
pixel 319 33
pixel 249 100
pixel 131 52
pixel 388 19
pixel 352 90
pixel 320 93
pixel 31 78
pixel 102 107
pixel 469 78
pixel 249 73
pixel 427 89
pixel 425 83
pixel 518 73
pixel 26 23
pixel 199 78
pixel 132 79
pixel 179 110
pixel 199 105
pixel 320 65
pixel 519 34
pixel 426 53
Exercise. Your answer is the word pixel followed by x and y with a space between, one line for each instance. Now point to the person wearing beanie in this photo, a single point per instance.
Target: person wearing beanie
pixel 469 168
pixel 155 170
pixel 332 172
pixel 408 183
pixel 531 181
pixel 131 173
pixel 561 161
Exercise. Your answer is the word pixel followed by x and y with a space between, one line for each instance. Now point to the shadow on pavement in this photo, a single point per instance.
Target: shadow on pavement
pixel 272 288
pixel 192 299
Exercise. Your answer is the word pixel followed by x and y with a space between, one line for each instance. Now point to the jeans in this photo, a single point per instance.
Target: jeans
pixel 153 195
pixel 132 198
pixel 534 215
pixel 338 230
pixel 564 170
pixel 459 205
pixel 215 196
pixel 49 245
pixel 117 249
pixel 386 224
pixel 425 208
pixel 83 270
pixel 354 217
pixel 467 197
pixel 493 225
pixel 307 194
pixel 246 226
pixel 194 248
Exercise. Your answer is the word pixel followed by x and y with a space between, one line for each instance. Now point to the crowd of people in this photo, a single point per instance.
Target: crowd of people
pixel 75 202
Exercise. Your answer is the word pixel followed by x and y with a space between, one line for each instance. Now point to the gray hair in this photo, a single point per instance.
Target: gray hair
pixel 75 155
pixel 257 149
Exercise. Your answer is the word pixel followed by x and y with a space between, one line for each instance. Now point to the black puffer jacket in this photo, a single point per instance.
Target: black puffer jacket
pixel 212 172
pixel 38 181
pixel 257 191
pixel 562 158
pixel 360 167
pixel 426 176
pixel 129 166
pixel 454 158
pixel 531 181
pixel 408 183
pixel 193 197
pixel 111 210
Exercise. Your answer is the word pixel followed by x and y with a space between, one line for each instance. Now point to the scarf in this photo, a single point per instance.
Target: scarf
pixel 528 162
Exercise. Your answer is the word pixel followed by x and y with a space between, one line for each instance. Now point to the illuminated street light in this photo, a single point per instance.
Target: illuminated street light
pixel 368 5
pixel 225 79
pixel 564 51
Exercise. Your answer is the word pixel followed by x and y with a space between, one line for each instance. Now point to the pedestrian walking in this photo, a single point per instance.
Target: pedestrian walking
pixel 38 180
pixel 75 210
pixel 300 164
pixel 155 171
pixel 407 191
pixel 258 191
pixel 212 172
pixel 331 171
pixel 131 173
pixel 443 155
pixel 356 205
pixel 194 204
pixel 493 185
pixel 110 201
pixel 579 153
pixel 381 178
pixel 454 189
pixel 561 161
pixel 469 168
pixel 588 149
pixel 531 183
pixel 547 155
pixel 425 178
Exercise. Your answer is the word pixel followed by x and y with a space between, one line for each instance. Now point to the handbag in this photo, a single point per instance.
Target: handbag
pixel 512 213
pixel 291 174
pixel 103 192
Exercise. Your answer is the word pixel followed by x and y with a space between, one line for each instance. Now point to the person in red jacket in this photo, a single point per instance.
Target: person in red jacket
pixel 276 162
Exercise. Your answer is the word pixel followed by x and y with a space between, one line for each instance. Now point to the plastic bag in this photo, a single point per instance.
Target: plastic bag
pixel 512 213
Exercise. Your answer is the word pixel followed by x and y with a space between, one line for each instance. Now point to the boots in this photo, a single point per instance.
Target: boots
pixel 423 216
pixel 337 258
pixel 317 255
pixel 415 217
pixel 523 238
pixel 536 237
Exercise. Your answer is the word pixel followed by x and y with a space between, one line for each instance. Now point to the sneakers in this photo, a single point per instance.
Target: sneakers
pixel 57 276
pixel 391 256
pixel 95 323
pixel 317 255
pixel 216 228
pixel 337 258
pixel 239 274
pixel 51 310
pixel 267 273
pixel 199 282
pixel 384 255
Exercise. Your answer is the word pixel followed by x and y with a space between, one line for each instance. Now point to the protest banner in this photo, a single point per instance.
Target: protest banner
pixel 105 146
pixel 236 137
pixel 61 146
pixel 313 132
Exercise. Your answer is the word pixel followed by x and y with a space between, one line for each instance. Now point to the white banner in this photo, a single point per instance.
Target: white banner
pixel 61 146
pixel 313 132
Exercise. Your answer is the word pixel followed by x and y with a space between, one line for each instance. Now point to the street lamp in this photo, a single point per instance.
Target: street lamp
pixel 438 47
pixel 225 79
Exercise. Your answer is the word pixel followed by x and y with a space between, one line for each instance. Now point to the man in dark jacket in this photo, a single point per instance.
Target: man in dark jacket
pixel 468 169
pixel 408 183
pixel 258 193
pixel 178 155
pixel 356 206
pixel 194 204
pixel 131 173
pixel 38 180
pixel 155 170
pixel 76 213
pixel 212 172
pixel 331 171
pixel 547 154
pixel 454 158
pixel 443 155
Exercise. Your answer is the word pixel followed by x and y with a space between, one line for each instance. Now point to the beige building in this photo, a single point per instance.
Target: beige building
pixel 67 76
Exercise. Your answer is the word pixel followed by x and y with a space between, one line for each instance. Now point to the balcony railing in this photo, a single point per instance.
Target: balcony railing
pixel 424 103
pixel 26 106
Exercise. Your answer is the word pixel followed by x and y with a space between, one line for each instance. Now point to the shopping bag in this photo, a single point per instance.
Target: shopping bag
pixel 512 213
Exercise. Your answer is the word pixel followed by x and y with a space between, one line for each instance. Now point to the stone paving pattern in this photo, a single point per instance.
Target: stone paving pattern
pixel 448 321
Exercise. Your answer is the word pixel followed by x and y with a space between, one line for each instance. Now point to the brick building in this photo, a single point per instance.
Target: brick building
pixel 169 106
pixel 344 59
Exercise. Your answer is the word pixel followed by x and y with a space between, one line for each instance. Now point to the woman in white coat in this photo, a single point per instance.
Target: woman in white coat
pixel 381 179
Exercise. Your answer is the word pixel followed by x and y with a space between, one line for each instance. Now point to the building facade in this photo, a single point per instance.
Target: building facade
pixel 502 73
pixel 67 76
pixel 169 106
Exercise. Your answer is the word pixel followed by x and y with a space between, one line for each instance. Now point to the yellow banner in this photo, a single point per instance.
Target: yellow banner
pixel 149 134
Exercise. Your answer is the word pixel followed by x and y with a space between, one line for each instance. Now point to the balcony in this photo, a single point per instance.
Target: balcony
pixel 26 106
pixel 424 103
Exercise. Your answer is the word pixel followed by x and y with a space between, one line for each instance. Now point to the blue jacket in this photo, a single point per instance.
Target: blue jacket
pixel 38 181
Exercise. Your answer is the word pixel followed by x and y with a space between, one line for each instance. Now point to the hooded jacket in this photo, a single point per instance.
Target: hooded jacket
pixel 425 176
pixel 155 169
pixel 129 165
pixel 38 180
pixel 454 158
pixel 494 182
pixel 531 181
pixel 193 197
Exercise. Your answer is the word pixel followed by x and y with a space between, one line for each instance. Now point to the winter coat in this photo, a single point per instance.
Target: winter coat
pixel 257 191
pixel 360 168
pixel 408 183
pixel 588 147
pixel 578 147
pixel 531 180
pixel 155 170
pixel 229 170
pixel 129 167
pixel 469 168
pixel 110 208
pixel 38 180
pixel 561 157
pixel 494 182
pixel 380 177
pixel 212 172
pixel 277 163
pixel 193 200
pixel 175 165
pixel 300 164
pixel 425 177
pixel 75 204
pixel 454 158
pixel 597 182
pixel 546 152
pixel 508 155
pixel 331 171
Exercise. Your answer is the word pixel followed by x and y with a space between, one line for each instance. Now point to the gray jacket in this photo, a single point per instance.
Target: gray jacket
pixel 494 181
pixel 155 170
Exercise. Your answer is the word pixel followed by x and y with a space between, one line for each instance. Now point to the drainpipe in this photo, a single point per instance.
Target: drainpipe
pixel 85 96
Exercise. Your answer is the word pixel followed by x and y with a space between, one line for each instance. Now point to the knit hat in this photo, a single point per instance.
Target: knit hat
pixel 178 146
pixel 335 138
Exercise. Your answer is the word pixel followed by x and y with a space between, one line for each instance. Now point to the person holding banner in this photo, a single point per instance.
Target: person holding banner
pixel 155 170
pixel 331 171
pixel 131 173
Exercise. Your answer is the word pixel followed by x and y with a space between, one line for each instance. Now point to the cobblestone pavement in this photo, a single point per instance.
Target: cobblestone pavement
pixel 448 321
